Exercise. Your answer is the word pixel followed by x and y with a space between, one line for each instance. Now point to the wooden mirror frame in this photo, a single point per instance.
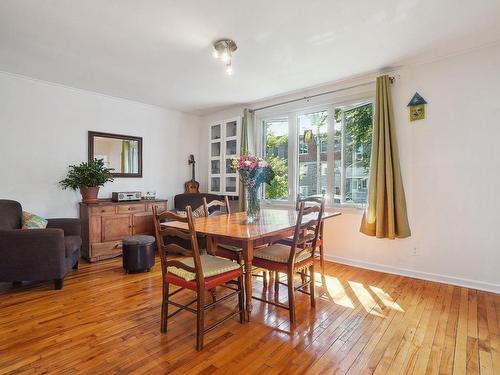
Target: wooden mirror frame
pixel 93 134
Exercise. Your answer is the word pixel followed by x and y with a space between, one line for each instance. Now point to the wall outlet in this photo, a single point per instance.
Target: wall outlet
pixel 414 251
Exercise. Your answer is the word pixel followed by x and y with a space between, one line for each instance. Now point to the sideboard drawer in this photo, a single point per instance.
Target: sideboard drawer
pixel 109 249
pixel 103 210
pixel 162 206
pixel 127 208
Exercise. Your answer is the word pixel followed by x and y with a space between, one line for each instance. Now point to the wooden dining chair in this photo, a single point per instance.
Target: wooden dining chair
pixel 197 272
pixel 319 245
pixel 295 258
pixel 223 208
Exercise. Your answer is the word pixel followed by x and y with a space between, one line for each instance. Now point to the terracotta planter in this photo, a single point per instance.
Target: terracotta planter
pixel 89 194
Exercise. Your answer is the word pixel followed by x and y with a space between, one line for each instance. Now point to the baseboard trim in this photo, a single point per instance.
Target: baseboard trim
pixel 473 284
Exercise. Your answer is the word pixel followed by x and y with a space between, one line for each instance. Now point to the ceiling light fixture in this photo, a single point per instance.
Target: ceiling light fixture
pixel 223 50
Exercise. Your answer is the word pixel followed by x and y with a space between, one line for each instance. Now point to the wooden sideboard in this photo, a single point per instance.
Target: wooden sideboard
pixel 106 223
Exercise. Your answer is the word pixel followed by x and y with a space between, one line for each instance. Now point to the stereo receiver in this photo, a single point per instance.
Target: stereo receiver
pixel 123 196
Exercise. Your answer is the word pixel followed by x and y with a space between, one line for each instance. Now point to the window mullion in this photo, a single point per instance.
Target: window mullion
pixel 330 162
pixel 342 160
pixel 293 158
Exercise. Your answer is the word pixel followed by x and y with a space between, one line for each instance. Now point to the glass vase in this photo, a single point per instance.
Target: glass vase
pixel 252 204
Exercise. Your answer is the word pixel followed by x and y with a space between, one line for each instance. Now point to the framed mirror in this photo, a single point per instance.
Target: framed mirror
pixel 123 153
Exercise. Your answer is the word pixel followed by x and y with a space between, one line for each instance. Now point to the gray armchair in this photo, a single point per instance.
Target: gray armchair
pixel 37 254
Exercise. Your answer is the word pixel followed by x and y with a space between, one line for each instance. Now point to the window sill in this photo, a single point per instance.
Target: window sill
pixel 343 208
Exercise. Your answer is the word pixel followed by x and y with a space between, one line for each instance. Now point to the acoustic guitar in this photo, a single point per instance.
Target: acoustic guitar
pixel 192 186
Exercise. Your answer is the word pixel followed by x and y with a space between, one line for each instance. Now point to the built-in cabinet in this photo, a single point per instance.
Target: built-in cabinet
pixel 224 146
pixel 106 223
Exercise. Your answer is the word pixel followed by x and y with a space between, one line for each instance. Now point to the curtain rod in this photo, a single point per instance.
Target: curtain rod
pixel 391 79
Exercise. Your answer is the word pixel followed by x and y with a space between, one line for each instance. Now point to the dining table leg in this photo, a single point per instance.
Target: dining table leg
pixel 211 245
pixel 248 257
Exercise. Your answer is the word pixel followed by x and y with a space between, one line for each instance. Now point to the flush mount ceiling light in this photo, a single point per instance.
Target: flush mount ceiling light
pixel 223 50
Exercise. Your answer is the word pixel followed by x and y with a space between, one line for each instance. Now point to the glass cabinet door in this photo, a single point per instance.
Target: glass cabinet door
pixel 231 186
pixel 215 155
pixel 232 149
pixel 224 145
pixel 231 129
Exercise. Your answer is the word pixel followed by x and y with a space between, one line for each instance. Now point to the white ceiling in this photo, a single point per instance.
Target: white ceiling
pixel 159 51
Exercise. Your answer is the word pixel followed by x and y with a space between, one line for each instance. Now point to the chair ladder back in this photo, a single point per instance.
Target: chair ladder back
pixel 217 203
pixel 299 239
pixel 190 234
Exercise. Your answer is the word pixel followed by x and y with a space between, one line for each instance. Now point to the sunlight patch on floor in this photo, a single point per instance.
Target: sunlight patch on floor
pixel 366 299
pixel 337 292
pixel 373 299
pixel 386 298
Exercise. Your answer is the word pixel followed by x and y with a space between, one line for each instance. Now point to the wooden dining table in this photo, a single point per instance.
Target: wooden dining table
pixel 233 229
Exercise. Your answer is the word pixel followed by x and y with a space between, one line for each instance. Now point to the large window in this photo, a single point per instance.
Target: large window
pixel 329 152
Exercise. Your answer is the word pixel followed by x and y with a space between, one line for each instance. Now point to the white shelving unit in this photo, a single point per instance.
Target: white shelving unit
pixel 224 138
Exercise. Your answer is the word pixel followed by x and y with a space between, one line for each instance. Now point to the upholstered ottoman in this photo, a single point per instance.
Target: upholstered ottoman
pixel 138 253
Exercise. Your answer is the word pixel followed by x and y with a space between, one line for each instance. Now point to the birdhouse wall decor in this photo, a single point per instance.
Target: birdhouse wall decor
pixel 417 107
pixel 308 136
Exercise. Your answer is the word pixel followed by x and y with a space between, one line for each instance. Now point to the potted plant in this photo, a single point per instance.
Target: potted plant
pixel 87 177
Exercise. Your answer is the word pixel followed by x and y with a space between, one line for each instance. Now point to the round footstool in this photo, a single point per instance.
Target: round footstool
pixel 138 253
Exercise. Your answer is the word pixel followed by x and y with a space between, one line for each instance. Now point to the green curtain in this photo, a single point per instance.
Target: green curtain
pixel 125 157
pixel 386 215
pixel 247 146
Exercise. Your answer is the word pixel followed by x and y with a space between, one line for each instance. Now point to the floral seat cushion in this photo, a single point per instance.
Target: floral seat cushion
pixel 211 265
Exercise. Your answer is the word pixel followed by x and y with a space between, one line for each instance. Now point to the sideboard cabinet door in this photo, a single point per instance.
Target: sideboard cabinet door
pixel 116 227
pixel 142 223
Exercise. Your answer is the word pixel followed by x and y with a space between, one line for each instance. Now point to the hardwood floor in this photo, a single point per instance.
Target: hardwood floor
pixel 105 322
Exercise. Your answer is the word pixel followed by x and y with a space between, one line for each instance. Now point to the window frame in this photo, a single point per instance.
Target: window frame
pixel 292 114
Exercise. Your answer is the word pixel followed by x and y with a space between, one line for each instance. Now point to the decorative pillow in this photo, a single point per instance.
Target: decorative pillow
pixel 199 212
pixel 181 213
pixel 32 221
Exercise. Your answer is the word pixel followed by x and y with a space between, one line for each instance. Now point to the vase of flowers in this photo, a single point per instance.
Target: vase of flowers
pixel 253 173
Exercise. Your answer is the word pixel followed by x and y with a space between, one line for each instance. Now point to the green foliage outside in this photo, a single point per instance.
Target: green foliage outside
pixel 357 138
pixel 358 133
pixel 278 187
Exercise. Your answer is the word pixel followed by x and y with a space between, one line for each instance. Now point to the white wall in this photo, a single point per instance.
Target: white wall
pixel 43 129
pixel 451 171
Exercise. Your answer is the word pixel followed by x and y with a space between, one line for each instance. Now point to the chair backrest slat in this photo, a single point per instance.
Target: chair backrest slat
pixel 174 232
pixel 178 249
pixel 217 203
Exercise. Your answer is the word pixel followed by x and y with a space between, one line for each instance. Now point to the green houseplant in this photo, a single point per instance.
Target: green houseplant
pixel 87 177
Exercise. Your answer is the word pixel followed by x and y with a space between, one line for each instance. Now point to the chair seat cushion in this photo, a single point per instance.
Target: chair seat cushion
pixel 72 244
pixel 210 282
pixel 231 248
pixel 210 264
pixel 279 253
